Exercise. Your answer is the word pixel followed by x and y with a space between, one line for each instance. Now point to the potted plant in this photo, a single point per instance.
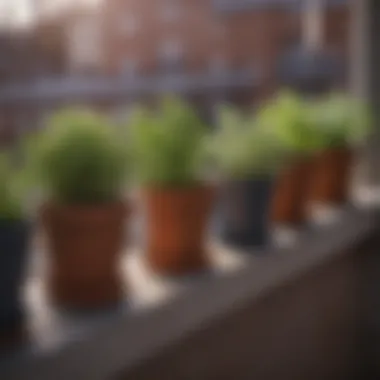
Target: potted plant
pixel 81 163
pixel 248 158
pixel 168 155
pixel 342 123
pixel 14 237
pixel 288 119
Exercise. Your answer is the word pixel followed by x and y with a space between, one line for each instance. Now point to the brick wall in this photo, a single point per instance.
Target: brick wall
pixel 207 39
pixel 145 37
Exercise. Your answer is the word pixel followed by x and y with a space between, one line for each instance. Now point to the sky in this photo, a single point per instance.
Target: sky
pixel 14 10
pixel 21 11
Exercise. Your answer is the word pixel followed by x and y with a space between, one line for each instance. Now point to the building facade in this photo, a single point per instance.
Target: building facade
pixel 215 36
pixel 209 51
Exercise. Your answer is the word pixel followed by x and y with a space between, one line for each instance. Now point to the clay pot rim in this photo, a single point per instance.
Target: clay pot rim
pixel 249 179
pixel 297 159
pixel 344 145
pixel 122 207
pixel 84 206
pixel 178 189
pixel 336 149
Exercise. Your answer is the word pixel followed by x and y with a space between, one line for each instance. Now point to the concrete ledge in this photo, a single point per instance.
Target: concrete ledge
pixel 125 343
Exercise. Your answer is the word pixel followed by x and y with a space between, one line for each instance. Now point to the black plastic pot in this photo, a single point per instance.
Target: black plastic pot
pixel 245 208
pixel 13 249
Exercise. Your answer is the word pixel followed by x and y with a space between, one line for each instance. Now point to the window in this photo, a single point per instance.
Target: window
pixel 84 40
pixel 129 25
pixel 219 30
pixel 171 55
pixel 170 10
pixel 218 64
pixel 129 67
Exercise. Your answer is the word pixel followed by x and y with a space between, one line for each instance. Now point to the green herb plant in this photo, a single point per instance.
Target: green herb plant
pixel 290 120
pixel 12 189
pixel 241 149
pixel 341 120
pixel 168 144
pixel 80 159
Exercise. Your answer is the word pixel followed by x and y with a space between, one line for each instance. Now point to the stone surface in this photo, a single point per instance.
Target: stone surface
pixel 49 327
pixel 144 289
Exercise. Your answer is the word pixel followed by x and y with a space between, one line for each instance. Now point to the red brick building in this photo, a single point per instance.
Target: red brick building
pixel 215 36
pixel 207 50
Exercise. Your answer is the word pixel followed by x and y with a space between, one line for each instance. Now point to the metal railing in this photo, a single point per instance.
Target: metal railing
pixel 67 88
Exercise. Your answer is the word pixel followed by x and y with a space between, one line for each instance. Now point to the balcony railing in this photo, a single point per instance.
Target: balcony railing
pixel 94 88
pixel 241 5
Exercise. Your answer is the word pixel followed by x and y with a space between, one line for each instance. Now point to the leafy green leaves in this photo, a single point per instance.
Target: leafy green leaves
pixel 80 159
pixel 167 144
pixel 290 120
pixel 308 126
pixel 341 120
pixel 13 187
pixel 242 149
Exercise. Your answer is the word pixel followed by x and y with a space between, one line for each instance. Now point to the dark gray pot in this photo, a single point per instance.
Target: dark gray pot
pixel 244 212
pixel 13 249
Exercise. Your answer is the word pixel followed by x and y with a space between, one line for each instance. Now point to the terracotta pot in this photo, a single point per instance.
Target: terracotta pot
pixel 289 203
pixel 330 182
pixel 176 226
pixel 84 247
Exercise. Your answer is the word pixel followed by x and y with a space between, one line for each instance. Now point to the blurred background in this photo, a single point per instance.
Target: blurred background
pixel 108 54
